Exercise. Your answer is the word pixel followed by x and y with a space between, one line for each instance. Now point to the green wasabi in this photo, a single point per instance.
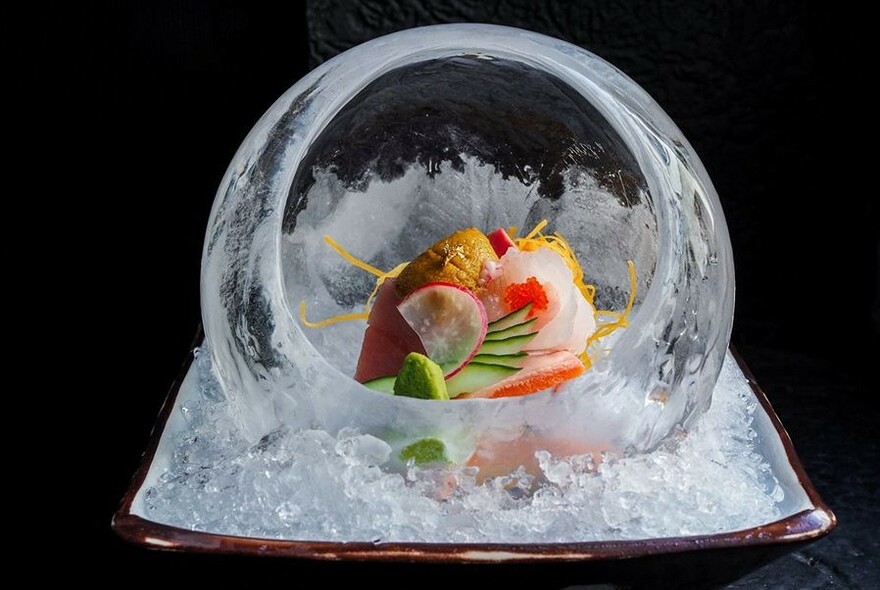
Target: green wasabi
pixel 426 450
pixel 420 377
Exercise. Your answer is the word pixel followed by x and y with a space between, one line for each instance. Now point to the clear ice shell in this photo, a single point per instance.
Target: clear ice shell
pixel 611 172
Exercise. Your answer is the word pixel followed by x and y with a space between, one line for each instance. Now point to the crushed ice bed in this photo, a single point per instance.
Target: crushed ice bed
pixel 727 473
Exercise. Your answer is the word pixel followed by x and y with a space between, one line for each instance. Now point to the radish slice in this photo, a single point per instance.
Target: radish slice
pixel 450 321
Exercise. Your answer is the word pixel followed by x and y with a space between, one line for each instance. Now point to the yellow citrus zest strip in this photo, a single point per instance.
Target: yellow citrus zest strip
pixel 585 358
pixel 381 276
pixel 388 275
pixel 620 319
pixel 328 321
pixel 355 261
pixel 537 229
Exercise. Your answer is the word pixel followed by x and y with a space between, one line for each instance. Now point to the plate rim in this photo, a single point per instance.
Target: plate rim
pixel 804 526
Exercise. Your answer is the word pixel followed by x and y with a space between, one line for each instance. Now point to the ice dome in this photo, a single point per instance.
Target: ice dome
pixel 404 139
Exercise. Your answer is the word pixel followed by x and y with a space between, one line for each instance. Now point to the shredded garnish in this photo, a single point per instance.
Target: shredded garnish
pixel 537 229
pixel 328 321
pixel 387 275
pixel 380 274
pixel 619 319
pixel 355 261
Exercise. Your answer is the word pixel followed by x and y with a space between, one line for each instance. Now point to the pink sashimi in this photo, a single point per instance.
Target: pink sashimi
pixel 496 458
pixel 388 338
pixel 568 319
pixel 539 372
pixel 500 241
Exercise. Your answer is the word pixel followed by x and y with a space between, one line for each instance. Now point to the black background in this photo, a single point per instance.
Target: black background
pixel 126 115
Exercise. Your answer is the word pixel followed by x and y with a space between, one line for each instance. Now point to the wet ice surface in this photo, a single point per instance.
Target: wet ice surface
pixel 310 485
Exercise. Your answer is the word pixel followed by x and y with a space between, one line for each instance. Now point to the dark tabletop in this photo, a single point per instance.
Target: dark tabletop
pixel 167 94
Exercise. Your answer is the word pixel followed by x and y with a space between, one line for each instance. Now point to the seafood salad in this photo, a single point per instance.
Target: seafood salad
pixel 480 315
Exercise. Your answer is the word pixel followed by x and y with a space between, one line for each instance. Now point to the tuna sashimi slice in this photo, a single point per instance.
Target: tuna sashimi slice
pixel 387 339
pixel 501 242
pixel 496 458
pixel 539 372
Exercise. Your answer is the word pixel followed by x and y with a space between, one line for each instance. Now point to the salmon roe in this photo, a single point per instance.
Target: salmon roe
pixel 518 295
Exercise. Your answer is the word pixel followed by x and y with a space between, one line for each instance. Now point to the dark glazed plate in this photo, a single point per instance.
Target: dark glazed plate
pixel 695 561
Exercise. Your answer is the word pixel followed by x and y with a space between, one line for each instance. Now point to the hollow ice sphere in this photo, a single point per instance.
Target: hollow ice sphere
pixel 407 138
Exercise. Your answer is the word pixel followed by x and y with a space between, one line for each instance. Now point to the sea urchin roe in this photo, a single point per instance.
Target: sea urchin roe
pixel 457 259
pixel 518 295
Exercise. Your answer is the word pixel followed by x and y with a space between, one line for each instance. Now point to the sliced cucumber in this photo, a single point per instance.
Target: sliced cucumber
pixel 511 319
pixel 383 384
pixel 526 327
pixel 477 376
pixel 512 345
pixel 505 360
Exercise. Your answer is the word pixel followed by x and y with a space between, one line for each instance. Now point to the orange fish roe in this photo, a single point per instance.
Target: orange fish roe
pixel 518 295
